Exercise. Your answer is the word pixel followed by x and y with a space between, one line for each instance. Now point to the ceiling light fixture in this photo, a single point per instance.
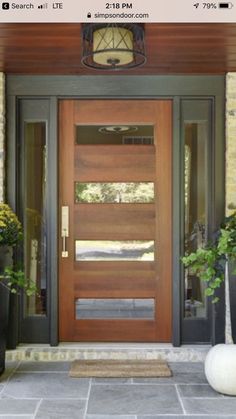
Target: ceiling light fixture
pixel 115 46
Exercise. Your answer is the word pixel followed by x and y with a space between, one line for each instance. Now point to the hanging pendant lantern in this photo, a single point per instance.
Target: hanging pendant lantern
pixel 115 46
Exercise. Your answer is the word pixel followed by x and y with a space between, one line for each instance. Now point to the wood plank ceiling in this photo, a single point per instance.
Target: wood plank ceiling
pixel 171 49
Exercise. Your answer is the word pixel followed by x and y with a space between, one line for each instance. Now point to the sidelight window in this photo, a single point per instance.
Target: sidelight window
pixel 196 180
pixel 34 214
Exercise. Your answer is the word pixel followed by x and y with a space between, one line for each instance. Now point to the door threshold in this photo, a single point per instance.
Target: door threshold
pixel 86 350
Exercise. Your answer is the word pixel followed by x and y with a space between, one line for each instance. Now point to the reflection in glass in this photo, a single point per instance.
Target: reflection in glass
pixel 114 134
pixel 195 211
pixel 115 308
pixel 114 250
pixel 138 140
pixel 114 192
pixel 34 182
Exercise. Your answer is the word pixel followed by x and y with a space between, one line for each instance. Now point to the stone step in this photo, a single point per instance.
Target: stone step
pixel 71 351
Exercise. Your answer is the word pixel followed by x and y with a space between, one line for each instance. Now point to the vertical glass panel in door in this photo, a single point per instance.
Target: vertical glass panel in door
pixel 34 181
pixel 195 188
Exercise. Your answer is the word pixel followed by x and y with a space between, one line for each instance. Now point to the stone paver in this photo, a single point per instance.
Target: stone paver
pixel 16 417
pixel 197 390
pixel 184 417
pixel 61 409
pixel 10 367
pixel 16 406
pixel 109 417
pixel 186 367
pixel 178 378
pixel 43 390
pixel 133 399
pixel 216 406
pixel 46 385
pixel 44 366
pixel 111 380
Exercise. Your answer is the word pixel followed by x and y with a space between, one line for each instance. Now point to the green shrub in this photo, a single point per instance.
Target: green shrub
pixel 208 262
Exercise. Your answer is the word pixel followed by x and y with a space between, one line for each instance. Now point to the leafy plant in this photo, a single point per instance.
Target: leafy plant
pixel 208 262
pixel 15 279
pixel 10 235
pixel 10 227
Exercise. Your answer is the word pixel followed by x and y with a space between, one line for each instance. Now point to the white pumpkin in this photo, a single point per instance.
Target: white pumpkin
pixel 220 368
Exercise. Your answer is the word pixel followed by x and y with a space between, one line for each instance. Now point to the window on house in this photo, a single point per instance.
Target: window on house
pixel 114 134
pixel 195 195
pixel 115 308
pixel 34 214
pixel 101 250
pixel 114 192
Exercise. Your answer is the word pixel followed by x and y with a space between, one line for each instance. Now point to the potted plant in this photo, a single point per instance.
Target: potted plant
pixel 211 264
pixel 11 278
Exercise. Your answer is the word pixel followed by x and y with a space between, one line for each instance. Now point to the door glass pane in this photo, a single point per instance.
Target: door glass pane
pixel 114 134
pixel 130 192
pixel 114 250
pixel 195 211
pixel 34 185
pixel 114 308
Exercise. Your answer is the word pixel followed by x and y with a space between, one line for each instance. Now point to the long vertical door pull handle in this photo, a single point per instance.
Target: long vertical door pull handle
pixel 64 229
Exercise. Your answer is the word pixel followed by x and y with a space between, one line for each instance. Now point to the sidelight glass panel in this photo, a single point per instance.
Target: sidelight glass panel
pixel 34 181
pixel 115 308
pixel 114 192
pixel 195 211
pixel 114 250
pixel 114 134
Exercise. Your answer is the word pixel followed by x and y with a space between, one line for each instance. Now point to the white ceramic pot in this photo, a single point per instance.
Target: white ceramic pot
pixel 220 368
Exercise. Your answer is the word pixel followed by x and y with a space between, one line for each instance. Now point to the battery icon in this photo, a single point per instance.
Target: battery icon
pixel 225 5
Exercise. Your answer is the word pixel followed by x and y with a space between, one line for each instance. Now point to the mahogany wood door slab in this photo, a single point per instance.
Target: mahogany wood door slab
pixel 115 262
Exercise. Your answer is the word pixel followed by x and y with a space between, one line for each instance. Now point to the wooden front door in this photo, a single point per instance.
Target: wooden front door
pixel 115 220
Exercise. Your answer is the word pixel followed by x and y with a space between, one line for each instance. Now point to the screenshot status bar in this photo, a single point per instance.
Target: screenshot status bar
pixel 70 11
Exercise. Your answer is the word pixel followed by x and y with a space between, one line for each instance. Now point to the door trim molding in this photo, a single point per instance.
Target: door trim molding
pixel 114 86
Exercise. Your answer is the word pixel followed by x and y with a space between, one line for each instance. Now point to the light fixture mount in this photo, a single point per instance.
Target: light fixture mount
pixel 113 46
pixel 117 129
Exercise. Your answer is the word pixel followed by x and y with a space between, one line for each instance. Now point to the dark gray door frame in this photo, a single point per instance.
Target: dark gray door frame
pixel 176 88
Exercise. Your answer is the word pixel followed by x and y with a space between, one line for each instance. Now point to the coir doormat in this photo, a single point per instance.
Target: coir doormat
pixel 119 368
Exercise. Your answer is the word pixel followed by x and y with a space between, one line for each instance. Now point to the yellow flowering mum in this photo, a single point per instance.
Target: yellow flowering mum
pixel 10 226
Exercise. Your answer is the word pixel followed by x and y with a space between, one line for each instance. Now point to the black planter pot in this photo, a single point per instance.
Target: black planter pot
pixel 4 315
pixel 5 260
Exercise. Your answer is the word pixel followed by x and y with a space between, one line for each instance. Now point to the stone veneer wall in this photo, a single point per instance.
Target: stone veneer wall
pixel 2 135
pixel 230 142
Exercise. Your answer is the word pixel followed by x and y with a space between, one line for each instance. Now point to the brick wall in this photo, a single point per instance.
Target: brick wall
pixel 230 142
pixel 2 132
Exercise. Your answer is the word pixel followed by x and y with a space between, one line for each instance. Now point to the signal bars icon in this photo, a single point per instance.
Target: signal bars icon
pixel 43 6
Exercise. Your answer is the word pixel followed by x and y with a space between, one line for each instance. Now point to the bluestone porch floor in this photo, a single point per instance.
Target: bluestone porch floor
pixel 43 390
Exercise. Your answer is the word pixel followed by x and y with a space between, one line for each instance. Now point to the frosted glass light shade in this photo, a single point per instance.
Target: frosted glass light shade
pixel 113 46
